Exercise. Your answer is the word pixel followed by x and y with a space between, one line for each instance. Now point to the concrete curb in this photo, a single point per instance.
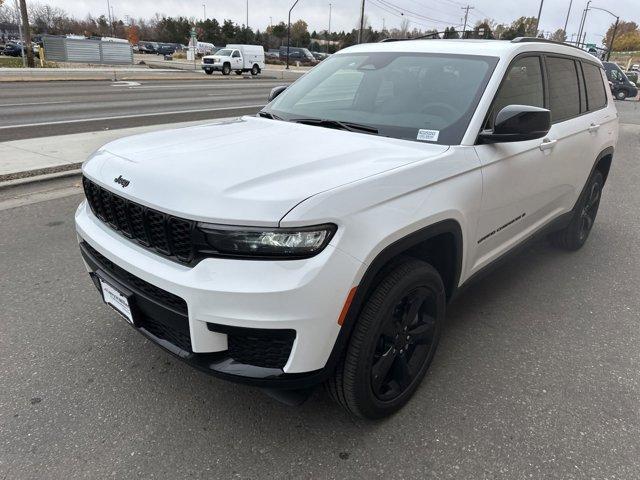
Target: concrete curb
pixel 43 177
pixel 31 174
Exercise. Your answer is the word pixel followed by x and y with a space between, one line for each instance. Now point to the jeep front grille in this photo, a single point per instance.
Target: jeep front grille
pixel 171 236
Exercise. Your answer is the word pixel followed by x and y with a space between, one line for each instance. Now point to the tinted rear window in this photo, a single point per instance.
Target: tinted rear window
pixel 564 93
pixel 596 95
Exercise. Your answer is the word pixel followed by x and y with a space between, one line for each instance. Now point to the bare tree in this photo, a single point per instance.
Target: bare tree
pixel 404 28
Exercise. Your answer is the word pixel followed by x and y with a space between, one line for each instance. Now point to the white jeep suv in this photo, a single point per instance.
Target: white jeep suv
pixel 320 241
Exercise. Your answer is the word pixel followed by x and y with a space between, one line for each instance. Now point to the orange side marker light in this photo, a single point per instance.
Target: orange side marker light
pixel 347 304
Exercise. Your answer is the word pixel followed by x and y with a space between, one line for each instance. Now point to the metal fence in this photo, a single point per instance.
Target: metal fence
pixel 61 49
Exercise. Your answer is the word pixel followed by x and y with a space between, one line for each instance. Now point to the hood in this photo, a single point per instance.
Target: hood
pixel 248 171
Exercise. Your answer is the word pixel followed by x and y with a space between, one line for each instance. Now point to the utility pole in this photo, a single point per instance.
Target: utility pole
pixel 289 31
pixel 538 19
pixel 109 17
pixel 566 21
pixel 383 25
pixel 27 33
pixel 247 14
pixel 113 23
pixel 24 59
pixel 204 12
pixel 361 23
pixel 329 29
pixel 583 20
pixel 466 15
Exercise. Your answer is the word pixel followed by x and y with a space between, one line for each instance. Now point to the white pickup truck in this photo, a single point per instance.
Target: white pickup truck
pixel 239 58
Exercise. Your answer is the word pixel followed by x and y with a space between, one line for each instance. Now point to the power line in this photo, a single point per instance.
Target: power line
pixel 413 14
pixel 434 9
pixel 399 15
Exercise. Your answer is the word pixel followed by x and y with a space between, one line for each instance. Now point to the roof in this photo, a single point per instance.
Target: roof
pixel 492 48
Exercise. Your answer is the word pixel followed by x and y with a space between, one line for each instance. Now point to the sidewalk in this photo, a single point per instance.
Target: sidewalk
pixel 45 155
pixel 158 70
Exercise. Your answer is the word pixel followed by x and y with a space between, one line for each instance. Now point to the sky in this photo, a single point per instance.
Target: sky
pixel 345 14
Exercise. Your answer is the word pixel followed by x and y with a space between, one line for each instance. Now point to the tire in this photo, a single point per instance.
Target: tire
pixel 621 95
pixel 255 70
pixel 574 235
pixel 208 71
pixel 377 375
pixel 226 69
pixel 238 72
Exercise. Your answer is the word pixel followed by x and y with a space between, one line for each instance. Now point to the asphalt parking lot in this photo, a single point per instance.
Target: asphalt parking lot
pixel 537 374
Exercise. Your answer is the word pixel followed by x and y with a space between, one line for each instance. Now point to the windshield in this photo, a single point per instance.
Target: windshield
pixel 415 96
pixel 225 52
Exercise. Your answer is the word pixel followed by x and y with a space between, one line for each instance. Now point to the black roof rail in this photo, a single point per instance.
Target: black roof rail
pixel 430 36
pixel 542 40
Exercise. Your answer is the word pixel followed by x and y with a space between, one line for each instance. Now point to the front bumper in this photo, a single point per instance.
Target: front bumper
pixel 275 310
pixel 211 66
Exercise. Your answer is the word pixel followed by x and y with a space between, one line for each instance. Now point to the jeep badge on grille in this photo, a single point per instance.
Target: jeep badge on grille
pixel 122 181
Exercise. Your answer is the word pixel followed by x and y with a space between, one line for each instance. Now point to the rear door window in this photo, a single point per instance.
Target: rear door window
pixel 564 93
pixel 596 93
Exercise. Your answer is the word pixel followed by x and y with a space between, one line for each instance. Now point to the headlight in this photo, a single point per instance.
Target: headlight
pixel 257 242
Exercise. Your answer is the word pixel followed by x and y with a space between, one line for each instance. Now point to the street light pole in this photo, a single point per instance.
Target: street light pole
pixel 566 21
pixel 615 28
pixel 583 20
pixel 289 31
pixel 329 29
pixel 538 19
pixel 204 12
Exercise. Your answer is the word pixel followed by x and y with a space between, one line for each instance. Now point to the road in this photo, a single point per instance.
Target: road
pixel 537 374
pixel 37 109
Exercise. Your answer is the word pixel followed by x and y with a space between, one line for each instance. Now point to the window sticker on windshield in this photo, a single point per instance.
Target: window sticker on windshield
pixel 428 135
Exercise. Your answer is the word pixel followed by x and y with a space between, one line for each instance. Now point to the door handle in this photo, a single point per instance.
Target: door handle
pixel 547 144
pixel 593 128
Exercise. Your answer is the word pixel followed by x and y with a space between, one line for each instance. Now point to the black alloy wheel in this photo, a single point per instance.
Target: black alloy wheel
pixel 590 210
pixel 575 235
pixel 405 341
pixel 393 341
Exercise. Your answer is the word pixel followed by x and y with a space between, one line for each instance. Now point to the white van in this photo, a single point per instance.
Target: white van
pixel 239 58
pixel 204 48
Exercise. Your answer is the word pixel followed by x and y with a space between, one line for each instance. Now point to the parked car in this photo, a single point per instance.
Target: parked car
pixel 319 56
pixel 272 53
pixel 296 54
pixel 237 58
pixel 632 75
pixel 14 49
pixel 147 47
pixel 165 49
pixel 410 168
pixel 622 86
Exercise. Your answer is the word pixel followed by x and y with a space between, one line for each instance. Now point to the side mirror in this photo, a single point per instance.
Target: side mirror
pixel 276 91
pixel 517 123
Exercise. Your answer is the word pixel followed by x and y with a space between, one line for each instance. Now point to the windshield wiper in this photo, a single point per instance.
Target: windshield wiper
pixel 351 127
pixel 264 114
